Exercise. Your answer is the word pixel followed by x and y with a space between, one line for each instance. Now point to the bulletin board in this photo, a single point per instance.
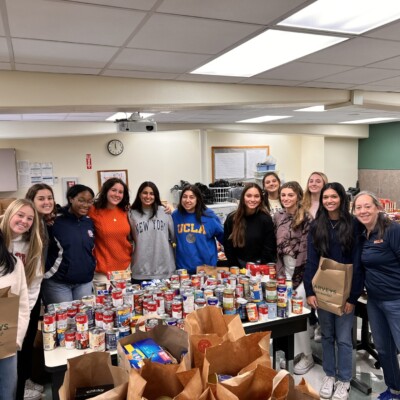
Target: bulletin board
pixel 236 163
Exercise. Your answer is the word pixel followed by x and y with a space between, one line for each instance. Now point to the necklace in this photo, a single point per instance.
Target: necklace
pixel 333 225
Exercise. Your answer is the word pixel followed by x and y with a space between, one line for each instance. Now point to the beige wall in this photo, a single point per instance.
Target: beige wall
pixel 167 157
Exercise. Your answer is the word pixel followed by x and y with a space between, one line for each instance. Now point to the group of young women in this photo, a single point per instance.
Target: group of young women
pixel 64 250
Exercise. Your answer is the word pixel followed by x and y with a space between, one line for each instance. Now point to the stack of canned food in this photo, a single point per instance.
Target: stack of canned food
pixel 99 320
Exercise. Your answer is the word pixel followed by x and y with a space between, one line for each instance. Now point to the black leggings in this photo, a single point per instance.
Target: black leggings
pixel 25 355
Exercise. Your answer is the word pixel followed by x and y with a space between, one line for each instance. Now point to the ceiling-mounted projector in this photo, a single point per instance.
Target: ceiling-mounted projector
pixel 143 125
pixel 136 124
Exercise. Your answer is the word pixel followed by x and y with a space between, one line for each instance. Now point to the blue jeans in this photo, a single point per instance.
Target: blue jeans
pixel 8 378
pixel 384 320
pixel 337 331
pixel 58 292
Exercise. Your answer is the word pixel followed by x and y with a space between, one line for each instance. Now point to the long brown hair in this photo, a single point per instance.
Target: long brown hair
pixel 300 214
pixel 239 222
pixel 32 237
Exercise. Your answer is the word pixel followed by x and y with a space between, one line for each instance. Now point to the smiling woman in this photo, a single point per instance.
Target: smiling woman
pixel 70 262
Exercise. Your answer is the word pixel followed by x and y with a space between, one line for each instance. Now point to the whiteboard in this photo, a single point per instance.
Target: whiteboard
pixel 236 163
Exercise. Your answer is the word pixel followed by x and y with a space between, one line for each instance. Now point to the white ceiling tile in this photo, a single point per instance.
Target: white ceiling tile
pixel 379 88
pixel 191 35
pixel 57 69
pixel 328 85
pixel 395 81
pixel 390 32
pixel 10 117
pixel 157 61
pixel 209 78
pixel 61 54
pixel 71 22
pixel 135 5
pixel 272 82
pixel 254 11
pixel 302 71
pixel 391 63
pixel 356 52
pixel 361 75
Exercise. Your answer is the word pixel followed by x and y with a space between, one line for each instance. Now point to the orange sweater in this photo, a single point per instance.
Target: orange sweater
pixel 112 248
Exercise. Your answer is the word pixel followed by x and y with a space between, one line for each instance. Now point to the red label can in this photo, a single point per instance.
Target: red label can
pixel 62 319
pixel 82 323
pixel 117 299
pixel 49 322
pixel 98 317
pixel 151 306
pixel 120 284
pixel 82 340
pixel 108 320
pixel 70 339
pixel 252 312
pixel 176 309
pixel 263 312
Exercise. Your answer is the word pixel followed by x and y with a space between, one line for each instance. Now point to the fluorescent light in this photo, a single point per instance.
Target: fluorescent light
pixel 267 50
pixel 265 118
pixel 368 120
pixel 347 16
pixel 124 115
pixel 312 109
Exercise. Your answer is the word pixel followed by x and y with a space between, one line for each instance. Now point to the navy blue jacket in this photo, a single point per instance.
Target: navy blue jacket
pixel 70 255
pixel 381 262
pixel 336 254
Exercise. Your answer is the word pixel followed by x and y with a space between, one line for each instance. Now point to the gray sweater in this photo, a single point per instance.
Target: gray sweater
pixel 153 256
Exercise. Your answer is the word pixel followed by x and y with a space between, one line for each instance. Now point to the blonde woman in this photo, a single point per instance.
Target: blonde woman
pixel 21 230
pixel 315 183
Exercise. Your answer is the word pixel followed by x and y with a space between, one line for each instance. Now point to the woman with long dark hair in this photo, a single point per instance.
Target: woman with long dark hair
pixel 334 235
pixel 196 230
pixel 271 184
pixel 109 213
pixel 249 231
pixel 380 258
pixel 153 235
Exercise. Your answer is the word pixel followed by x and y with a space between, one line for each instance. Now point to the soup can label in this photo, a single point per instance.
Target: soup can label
pixel 282 295
pixel 117 299
pixel 252 312
pixel 255 290
pixel 281 312
pixel 97 339
pixel 241 309
pixel 82 340
pixel 82 324
pixel 49 340
pixel 49 322
pixel 123 316
pixel 70 339
pixel 297 305
pixel 61 319
pixel 108 320
pixel 176 309
pixel 111 339
pixel 263 312
pixel 212 301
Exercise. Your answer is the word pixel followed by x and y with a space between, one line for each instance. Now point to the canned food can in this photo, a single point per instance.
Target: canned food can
pixel 62 319
pixel 82 340
pixel 98 317
pixel 151 307
pixel 123 316
pixel 100 297
pixel 171 321
pixel 232 281
pixel 82 324
pixel 61 337
pixel 180 323
pixel 270 290
pixel 120 284
pixel 255 290
pixel 212 301
pixel 241 309
pixel 49 322
pixel 89 300
pixel 281 312
pixel 234 270
pixel 108 320
pixel 297 305
pixel 281 293
pixel 239 291
pixel 228 299
pixel 272 310
pixel 200 303
pixel 263 312
pixel 70 339
pixel 176 309
pixel 49 340
pixel 150 324
pixel 252 312
pixel 111 339
pixel 117 299
pixel 174 278
pixel 138 302
pixel 196 283
pixel 99 287
pixel 127 299
pixel 244 280
pixel 160 305
pixel 124 331
pixel 208 292
pixel 281 280
pixel 188 301
pixel 97 339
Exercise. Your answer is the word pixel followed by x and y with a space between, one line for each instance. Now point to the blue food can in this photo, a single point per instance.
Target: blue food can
pixel 272 310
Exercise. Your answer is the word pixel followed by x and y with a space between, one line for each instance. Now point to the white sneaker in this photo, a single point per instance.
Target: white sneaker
pixel 317 334
pixel 327 387
pixel 304 365
pixel 31 394
pixel 282 364
pixel 34 386
pixel 342 390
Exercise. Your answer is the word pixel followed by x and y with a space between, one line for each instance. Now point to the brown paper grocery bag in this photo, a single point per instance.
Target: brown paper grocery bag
pixel 9 306
pixel 209 327
pixel 261 383
pixel 304 391
pixel 92 369
pixel 212 271
pixel 332 285
pixel 233 358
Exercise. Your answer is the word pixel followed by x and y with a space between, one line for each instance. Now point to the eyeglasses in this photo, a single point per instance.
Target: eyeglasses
pixel 82 201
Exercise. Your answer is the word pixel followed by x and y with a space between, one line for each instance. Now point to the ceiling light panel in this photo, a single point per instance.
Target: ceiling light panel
pixel 265 118
pixel 346 16
pixel 312 109
pixel 265 51
pixel 368 120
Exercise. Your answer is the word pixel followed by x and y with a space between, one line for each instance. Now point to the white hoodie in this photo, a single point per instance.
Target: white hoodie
pixel 17 281
pixel 20 247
